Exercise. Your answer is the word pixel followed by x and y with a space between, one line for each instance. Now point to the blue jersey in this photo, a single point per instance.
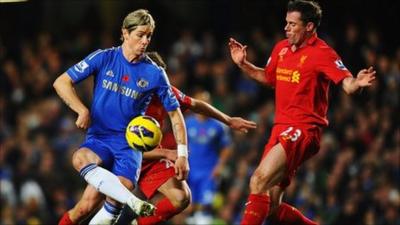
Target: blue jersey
pixel 206 138
pixel 122 90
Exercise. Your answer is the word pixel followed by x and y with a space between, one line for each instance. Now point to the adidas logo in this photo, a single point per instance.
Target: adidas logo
pixel 110 73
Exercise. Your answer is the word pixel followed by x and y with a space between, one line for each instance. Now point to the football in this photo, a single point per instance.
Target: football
pixel 143 133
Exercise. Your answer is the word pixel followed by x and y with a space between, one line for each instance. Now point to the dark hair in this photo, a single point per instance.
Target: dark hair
pixel 157 59
pixel 310 11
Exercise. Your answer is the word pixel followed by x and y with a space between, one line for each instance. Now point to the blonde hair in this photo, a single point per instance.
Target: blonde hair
pixel 137 18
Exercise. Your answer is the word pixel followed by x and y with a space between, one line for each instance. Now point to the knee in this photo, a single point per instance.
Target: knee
pixel 78 160
pixel 82 158
pixel 258 182
pixel 180 198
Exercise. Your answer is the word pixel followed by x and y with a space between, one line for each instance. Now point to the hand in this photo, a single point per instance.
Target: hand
pixel 181 168
pixel 238 51
pixel 241 124
pixel 365 77
pixel 83 120
pixel 170 154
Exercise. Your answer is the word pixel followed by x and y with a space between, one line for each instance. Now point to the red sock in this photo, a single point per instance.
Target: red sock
pixel 256 211
pixel 287 215
pixel 164 211
pixel 65 220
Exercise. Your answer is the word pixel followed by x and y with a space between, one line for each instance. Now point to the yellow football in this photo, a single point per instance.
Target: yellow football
pixel 143 133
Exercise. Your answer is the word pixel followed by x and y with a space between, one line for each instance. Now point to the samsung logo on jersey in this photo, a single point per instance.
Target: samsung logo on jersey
pixel 128 92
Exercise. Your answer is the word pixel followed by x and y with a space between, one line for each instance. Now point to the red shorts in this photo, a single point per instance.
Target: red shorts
pixel 153 174
pixel 300 142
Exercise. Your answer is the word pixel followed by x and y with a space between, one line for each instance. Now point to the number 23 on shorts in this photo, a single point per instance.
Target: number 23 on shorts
pixel 291 134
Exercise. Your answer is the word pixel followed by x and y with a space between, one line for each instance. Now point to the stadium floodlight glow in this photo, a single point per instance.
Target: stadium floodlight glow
pixel 12 1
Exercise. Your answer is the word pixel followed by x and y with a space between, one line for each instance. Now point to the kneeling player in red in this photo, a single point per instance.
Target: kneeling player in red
pixel 158 173
pixel 158 177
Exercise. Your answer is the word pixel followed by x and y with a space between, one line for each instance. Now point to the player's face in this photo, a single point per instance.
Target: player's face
pixel 138 39
pixel 295 28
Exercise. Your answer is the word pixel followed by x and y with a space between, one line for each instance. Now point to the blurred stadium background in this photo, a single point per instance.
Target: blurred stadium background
pixel 354 179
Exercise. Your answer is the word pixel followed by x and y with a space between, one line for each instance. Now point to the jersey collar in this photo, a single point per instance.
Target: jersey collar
pixel 312 39
pixel 126 61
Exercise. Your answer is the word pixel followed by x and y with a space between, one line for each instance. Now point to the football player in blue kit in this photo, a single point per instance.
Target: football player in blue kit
pixel 124 82
pixel 210 141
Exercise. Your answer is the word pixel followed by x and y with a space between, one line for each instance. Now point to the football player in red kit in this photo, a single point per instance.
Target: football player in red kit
pixel 300 68
pixel 158 174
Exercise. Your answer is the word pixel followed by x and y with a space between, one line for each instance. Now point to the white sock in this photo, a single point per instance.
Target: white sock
pixel 106 182
pixel 106 215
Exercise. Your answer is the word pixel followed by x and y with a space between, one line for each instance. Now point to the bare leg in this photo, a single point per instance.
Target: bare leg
pixel 178 192
pixel 276 195
pixel 90 200
pixel 270 172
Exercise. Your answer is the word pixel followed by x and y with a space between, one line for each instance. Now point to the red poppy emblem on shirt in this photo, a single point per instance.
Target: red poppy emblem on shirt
pixel 125 78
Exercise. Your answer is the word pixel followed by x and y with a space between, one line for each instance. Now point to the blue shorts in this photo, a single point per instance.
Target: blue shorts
pixel 203 188
pixel 116 155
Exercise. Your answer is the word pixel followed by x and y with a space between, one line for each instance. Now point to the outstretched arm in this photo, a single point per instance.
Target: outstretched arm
pixel 239 57
pixel 206 109
pixel 179 129
pixel 65 89
pixel 364 79
pixel 160 153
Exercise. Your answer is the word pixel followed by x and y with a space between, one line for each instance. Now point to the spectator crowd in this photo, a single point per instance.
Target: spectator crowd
pixel 354 177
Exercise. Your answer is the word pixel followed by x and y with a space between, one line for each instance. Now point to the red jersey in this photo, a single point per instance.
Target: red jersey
pixel 301 80
pixel 157 111
pixel 154 173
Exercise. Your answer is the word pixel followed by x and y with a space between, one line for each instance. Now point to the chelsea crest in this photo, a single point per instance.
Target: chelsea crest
pixel 142 83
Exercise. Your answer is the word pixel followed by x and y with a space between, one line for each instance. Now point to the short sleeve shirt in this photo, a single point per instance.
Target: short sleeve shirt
pixel 156 110
pixel 122 89
pixel 302 79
